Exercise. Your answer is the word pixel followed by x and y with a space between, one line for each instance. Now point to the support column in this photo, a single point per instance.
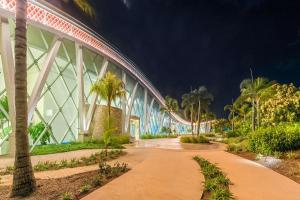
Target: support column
pixel 161 121
pixel 80 85
pixel 9 79
pixel 145 109
pixel 43 75
pixel 124 103
pixel 133 94
pixel 92 107
pixel 148 114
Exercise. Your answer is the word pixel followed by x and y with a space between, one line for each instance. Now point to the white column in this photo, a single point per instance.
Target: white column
pixel 8 69
pixel 80 85
pixel 148 114
pixel 145 108
pixel 43 75
pixel 132 98
pixel 9 79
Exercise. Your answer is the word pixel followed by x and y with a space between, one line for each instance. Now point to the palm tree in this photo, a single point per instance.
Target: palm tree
pixel 171 106
pixel 203 99
pixel 251 91
pixel 23 177
pixel 109 88
pixel 187 104
pixel 232 111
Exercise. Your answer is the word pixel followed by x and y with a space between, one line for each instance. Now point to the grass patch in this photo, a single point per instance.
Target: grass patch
pixel 83 161
pixel 149 136
pixel 194 139
pixel 116 143
pixel 216 185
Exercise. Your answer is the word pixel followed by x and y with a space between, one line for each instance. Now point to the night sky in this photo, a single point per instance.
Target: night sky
pixel 180 44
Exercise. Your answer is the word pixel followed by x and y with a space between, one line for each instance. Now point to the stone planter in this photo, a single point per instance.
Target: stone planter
pixel 100 119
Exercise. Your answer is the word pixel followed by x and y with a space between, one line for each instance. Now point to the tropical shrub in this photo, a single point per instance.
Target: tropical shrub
pixel 230 134
pixel 166 130
pixel 193 139
pixel 284 137
pixel 150 136
pixel 282 104
pixel 35 130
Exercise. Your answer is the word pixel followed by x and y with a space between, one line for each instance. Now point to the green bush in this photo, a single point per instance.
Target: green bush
pixel 238 147
pixel 35 130
pixel 194 139
pixel 166 130
pixel 120 139
pixel 85 188
pixel 231 134
pixel 150 136
pixel 67 196
pixel 284 137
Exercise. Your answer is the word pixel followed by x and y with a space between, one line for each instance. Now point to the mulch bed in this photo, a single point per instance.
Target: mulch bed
pixel 53 189
pixel 288 167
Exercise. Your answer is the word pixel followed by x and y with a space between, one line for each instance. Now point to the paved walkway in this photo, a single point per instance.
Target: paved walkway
pixel 163 169
pixel 162 175
pixel 171 174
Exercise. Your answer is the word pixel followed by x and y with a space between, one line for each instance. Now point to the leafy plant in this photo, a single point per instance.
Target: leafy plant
pixel 85 188
pixel 35 130
pixel 194 139
pixel 215 181
pixel 67 196
pixel 284 137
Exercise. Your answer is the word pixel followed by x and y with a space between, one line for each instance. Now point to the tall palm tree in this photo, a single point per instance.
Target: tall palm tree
pixel 23 177
pixel 187 104
pixel 251 90
pixel 232 111
pixel 109 88
pixel 171 106
pixel 203 99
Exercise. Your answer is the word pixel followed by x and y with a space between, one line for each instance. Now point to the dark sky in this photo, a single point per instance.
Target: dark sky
pixel 181 44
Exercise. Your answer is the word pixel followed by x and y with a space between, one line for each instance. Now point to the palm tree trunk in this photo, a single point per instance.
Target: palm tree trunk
pixel 23 177
pixel 199 116
pixel 253 115
pixel 257 113
pixel 232 123
pixel 192 113
pixel 109 112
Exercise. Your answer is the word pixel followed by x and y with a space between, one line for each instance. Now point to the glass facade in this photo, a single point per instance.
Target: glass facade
pixel 57 106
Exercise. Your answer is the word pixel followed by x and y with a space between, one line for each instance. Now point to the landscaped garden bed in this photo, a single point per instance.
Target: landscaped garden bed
pixel 72 187
pixel 75 162
pixel 216 185
pixel 116 143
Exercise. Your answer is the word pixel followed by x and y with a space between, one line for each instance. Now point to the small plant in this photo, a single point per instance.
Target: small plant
pixel 85 188
pixel 35 130
pixel 97 180
pixel 9 170
pixel 292 155
pixel 67 196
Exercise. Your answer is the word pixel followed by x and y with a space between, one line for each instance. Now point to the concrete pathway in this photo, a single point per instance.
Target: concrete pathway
pixel 162 175
pixel 252 180
pixel 172 174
